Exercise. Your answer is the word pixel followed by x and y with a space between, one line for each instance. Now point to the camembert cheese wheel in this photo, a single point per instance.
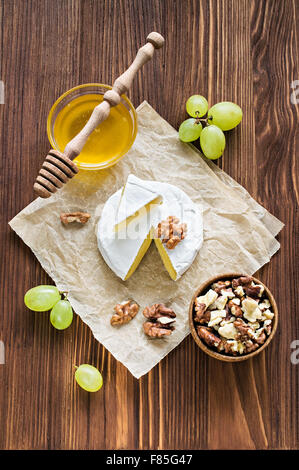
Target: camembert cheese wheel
pixel 124 249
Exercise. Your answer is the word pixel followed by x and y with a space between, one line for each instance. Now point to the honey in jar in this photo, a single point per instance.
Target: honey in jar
pixel 111 139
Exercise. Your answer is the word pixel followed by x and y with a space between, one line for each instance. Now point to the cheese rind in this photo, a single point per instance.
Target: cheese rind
pixel 137 199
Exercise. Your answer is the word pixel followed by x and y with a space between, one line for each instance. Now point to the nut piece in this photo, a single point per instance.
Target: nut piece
pixel 264 305
pixel 160 320
pixel 208 337
pixel 171 231
pixel 240 292
pixel 207 299
pixel 253 291
pixel 261 336
pixel 251 310
pixel 201 314
pixel 220 303
pixel 227 293
pixel 244 331
pixel 69 217
pixel 250 346
pixel 158 311
pixel 173 242
pixel 268 326
pixel 241 281
pixel 232 347
pixel 228 331
pixel 124 313
pixel 157 330
pixel 235 309
pixel 216 316
pixel 218 286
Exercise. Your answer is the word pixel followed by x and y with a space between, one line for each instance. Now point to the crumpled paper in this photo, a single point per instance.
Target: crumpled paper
pixel 239 235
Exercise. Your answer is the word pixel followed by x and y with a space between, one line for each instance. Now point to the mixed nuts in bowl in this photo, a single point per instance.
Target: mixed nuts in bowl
pixel 233 317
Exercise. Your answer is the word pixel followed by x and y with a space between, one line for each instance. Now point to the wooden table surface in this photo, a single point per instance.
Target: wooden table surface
pixel 239 50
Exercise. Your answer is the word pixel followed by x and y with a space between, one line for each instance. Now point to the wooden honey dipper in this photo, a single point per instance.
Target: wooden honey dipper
pixel 59 167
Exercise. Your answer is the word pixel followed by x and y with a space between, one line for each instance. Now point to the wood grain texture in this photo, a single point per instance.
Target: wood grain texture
pixel 239 50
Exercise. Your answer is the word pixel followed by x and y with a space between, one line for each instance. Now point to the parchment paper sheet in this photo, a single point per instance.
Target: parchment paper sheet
pixel 238 236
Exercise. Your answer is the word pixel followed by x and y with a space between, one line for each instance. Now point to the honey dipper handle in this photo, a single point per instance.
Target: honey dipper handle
pixel 112 97
pixel 123 83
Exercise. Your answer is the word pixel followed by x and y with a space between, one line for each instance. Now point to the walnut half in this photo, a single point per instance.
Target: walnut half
pixel 124 313
pixel 160 320
pixel 69 217
pixel 171 231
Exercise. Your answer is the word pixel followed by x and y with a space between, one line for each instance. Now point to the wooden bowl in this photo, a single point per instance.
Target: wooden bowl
pixel 207 349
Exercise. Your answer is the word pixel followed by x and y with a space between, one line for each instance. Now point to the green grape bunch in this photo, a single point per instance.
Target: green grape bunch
pixel 45 298
pixel 221 117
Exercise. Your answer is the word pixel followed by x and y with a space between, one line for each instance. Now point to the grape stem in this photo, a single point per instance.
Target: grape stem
pixel 64 293
pixel 202 120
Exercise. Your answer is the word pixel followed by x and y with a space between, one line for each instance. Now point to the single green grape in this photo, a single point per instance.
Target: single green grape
pixel 89 378
pixel 190 130
pixel 61 315
pixel 225 115
pixel 41 298
pixel 197 106
pixel 212 142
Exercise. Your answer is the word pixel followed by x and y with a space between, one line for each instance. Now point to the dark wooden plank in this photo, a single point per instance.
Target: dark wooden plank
pixel 235 50
pixel 275 66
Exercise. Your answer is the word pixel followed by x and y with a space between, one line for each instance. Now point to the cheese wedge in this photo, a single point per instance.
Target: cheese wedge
pixel 137 199
pixel 124 250
pixel 122 254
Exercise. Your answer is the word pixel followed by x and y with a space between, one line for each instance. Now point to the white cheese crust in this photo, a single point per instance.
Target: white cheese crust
pixel 136 194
